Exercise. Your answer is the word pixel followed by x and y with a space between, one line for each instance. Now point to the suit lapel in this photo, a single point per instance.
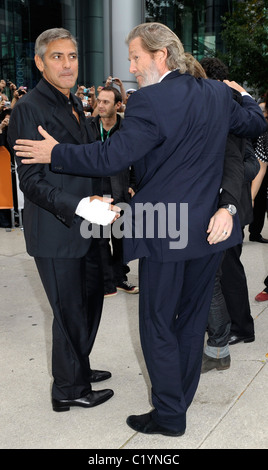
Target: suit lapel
pixel 59 114
pixel 67 121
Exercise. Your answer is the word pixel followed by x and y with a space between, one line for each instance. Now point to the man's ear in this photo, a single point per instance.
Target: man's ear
pixel 161 55
pixel 118 105
pixel 39 63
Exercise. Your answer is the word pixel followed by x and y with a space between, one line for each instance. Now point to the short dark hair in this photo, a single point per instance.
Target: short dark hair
pixel 117 94
pixel 215 68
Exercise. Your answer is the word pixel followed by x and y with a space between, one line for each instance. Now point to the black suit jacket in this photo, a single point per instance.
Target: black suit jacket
pixel 51 227
pixel 122 181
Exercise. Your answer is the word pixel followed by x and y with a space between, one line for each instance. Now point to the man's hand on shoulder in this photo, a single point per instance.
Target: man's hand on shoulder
pixel 236 87
pixel 35 151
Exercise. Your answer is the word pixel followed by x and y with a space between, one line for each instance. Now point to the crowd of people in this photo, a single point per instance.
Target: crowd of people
pixel 9 96
pixel 89 96
pixel 172 321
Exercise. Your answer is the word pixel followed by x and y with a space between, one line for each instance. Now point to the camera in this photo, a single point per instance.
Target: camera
pixel 7 104
pixel 113 79
pixel 22 91
pixel 8 82
pixel 86 91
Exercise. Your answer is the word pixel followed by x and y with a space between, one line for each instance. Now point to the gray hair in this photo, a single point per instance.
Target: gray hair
pixel 156 36
pixel 45 38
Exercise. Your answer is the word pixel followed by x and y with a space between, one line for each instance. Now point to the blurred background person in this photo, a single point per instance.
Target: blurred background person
pixel 18 94
pixel 120 187
pixel 230 319
pixel 260 183
pixel 262 155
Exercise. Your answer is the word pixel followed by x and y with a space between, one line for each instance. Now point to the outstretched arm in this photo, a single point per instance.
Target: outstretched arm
pixel 29 148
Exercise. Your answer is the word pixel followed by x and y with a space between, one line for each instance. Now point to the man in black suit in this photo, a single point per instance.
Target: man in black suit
pixel 68 264
pixel 230 319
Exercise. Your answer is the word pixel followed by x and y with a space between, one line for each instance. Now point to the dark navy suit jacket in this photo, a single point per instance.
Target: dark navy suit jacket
pixel 174 132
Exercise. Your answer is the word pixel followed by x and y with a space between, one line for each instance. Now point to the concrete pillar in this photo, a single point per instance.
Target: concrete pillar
pixel 90 38
pixel 120 16
pixel 69 17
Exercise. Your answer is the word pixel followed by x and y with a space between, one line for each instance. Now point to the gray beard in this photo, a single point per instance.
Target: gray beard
pixel 151 77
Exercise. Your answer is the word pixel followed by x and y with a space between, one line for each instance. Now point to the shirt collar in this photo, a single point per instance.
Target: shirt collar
pixel 165 74
pixel 60 96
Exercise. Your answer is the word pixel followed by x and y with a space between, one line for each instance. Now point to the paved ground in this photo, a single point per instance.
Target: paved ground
pixel 230 409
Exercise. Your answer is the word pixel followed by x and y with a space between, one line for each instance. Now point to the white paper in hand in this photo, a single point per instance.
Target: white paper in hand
pixel 96 211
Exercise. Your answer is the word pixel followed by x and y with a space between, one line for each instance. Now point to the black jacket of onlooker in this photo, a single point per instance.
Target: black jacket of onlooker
pixel 121 182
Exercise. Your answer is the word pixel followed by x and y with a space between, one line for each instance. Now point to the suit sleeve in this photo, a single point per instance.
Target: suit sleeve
pixel 138 135
pixel 247 119
pixel 251 163
pixel 233 171
pixel 32 178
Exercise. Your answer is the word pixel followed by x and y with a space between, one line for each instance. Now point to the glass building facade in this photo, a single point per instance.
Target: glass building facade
pixel 21 21
pixel 100 27
pixel 196 23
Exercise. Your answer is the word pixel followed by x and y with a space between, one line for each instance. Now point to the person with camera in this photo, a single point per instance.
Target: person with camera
pixel 2 86
pixel 10 89
pixel 4 105
pixel 116 81
pixel 88 98
pixel 18 93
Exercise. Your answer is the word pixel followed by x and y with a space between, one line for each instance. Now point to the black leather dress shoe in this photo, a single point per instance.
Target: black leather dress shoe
pixel 257 238
pixel 99 375
pixel 91 399
pixel 146 425
pixel 238 339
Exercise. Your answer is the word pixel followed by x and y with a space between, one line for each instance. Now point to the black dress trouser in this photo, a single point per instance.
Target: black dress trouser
pixel 219 321
pixel 235 292
pixel 74 288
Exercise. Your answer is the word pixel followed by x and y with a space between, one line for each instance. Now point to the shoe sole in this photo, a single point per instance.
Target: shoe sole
pixel 110 295
pixel 92 381
pixel 163 433
pixel 249 340
pixel 60 408
pixel 223 367
pixel 217 368
pixel 128 291
pixel 166 433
